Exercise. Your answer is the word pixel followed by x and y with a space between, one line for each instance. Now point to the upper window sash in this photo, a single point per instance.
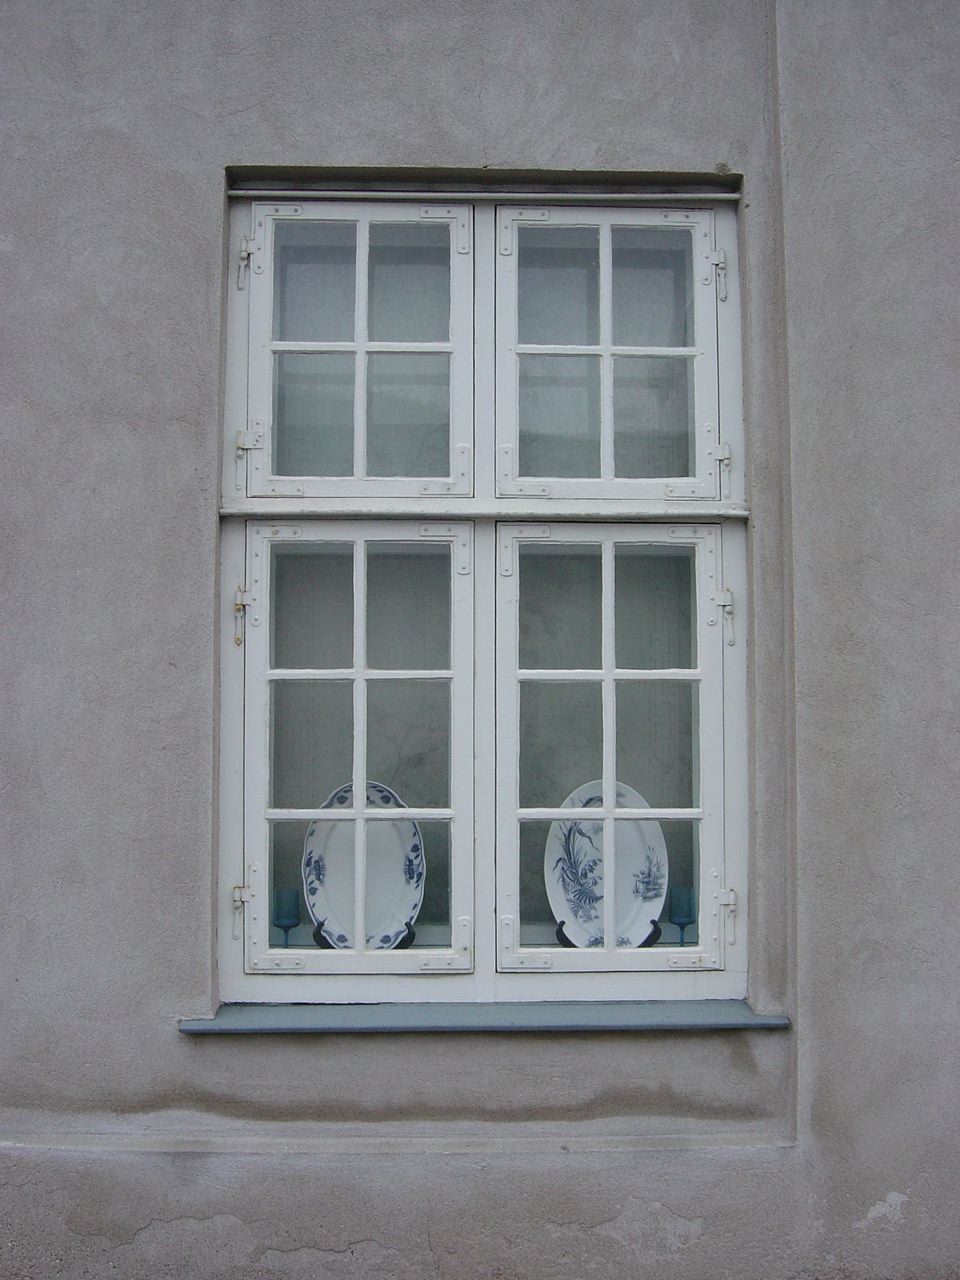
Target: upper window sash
pixel 360 361
pixel 607 354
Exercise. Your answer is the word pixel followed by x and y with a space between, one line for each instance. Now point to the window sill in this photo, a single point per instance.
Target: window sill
pixel 559 1016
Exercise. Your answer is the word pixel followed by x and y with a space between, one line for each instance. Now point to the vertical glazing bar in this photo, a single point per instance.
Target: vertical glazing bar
pixel 606 360
pixel 360 371
pixel 609 694
pixel 359 742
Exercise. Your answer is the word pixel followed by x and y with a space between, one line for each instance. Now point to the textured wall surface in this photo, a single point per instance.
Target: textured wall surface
pixel 128 1149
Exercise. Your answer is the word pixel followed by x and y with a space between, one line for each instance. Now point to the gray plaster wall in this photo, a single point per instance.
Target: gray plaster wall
pixel 129 1149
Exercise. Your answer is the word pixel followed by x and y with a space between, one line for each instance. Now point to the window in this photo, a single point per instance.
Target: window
pixel 483 538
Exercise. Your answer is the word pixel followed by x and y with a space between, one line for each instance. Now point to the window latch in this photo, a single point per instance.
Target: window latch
pixel 241 603
pixel 246 252
pixel 241 894
pixel 728 898
pixel 717 263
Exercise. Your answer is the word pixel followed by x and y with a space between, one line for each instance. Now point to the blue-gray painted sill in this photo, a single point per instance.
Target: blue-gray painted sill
pixel 565 1016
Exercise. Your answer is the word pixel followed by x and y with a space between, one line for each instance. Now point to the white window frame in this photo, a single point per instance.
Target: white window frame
pixel 259 479
pixel 705 480
pixel 483 508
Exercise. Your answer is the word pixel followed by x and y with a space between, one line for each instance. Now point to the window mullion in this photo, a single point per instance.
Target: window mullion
pixel 359 742
pixel 607 462
pixel 362 324
pixel 609 698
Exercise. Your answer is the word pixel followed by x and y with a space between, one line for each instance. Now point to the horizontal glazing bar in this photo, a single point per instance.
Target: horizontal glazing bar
pixel 351 673
pixel 310 348
pixel 342 814
pixel 554 349
pixel 619 673
pixel 657 815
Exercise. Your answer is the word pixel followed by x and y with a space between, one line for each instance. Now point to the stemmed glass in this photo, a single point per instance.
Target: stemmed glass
pixel 286 911
pixel 681 912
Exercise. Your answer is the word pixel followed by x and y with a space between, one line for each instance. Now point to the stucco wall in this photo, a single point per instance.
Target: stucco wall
pixel 127 1147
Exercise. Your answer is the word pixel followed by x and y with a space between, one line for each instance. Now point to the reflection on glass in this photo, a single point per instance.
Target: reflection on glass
pixel 559 415
pixel 409 278
pixel 653 416
pixel 655 607
pixel 313 606
pixel 652 287
pixel 314 281
pixel 538 928
pixel 408 414
pixel 558 283
pixel 657 741
pixel 408 739
pixel 312 741
pixel 408 607
pixel 313 414
pixel 560 614
pixel 286 856
pixel 408 863
pixel 560 739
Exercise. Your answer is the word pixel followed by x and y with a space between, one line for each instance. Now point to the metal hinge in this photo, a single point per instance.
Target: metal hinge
pixel 723 456
pixel 241 894
pixel 246 442
pixel 242 601
pixel 249 440
pixel 725 607
pixel 717 265
pixel 248 248
pixel 728 898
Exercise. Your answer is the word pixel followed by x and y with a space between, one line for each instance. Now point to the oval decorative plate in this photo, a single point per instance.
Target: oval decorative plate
pixel 395 872
pixel 573 870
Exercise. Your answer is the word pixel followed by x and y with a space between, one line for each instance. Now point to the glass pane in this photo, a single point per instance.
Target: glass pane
pixel 642 872
pixel 657 743
pixel 408 414
pixel 653 416
pixel 560 740
pixel 290 920
pixel 655 607
pixel 558 285
pixel 652 288
pixel 313 414
pixel 559 415
pixel 314 281
pixel 678 920
pixel 408 606
pixel 329 857
pixel 408 884
pixel 313 606
pixel 408 739
pixel 409 275
pixel 538 928
pixel 560 616
pixel 312 741
pixel 573 874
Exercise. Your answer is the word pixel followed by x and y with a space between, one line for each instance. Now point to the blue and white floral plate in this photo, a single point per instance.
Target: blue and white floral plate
pixel 573 870
pixel 395 871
